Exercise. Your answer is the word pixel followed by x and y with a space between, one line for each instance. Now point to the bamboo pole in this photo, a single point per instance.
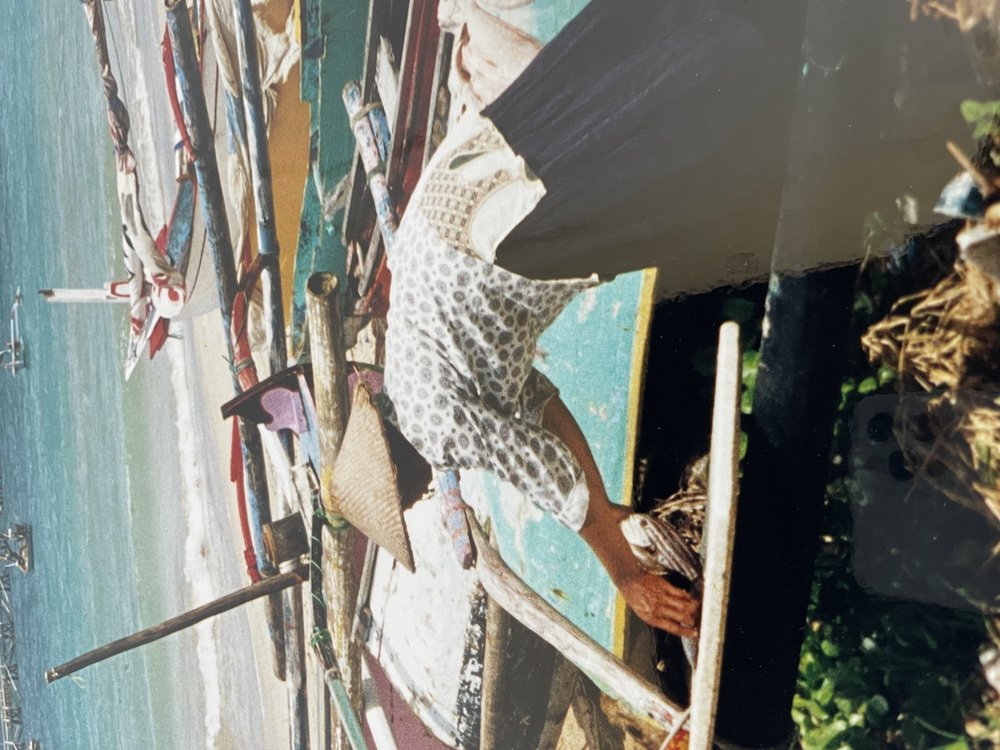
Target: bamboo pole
pixel 192 96
pixel 257 145
pixel 371 133
pixel 330 383
pixel 265 587
pixel 270 279
pixel 346 712
pixel 511 593
pixel 720 529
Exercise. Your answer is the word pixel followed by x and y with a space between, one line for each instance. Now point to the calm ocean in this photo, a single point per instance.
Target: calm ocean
pixel 85 458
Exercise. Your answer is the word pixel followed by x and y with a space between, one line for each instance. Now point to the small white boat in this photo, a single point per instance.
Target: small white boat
pixel 13 353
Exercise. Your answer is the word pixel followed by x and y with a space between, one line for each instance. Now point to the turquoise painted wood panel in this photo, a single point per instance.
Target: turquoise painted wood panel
pixel 541 19
pixel 310 13
pixel 588 353
pixel 335 31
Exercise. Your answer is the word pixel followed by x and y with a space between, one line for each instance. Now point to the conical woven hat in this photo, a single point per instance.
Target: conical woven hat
pixel 364 480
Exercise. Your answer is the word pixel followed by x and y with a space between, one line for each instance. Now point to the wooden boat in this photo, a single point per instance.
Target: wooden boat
pixel 15 349
pixel 16 548
pixel 156 289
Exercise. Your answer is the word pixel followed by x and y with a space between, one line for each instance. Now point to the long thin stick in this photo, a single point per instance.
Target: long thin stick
pixel 347 716
pixel 257 145
pixel 230 601
pixel 274 329
pixel 326 343
pixel 511 593
pixel 720 528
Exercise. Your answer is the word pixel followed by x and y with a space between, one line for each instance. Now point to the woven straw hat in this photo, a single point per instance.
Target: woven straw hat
pixel 364 480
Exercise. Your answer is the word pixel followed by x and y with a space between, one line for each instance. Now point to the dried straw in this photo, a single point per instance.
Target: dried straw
pixel 943 337
pixel 685 509
pixel 943 340
pixel 952 442
pixel 967 14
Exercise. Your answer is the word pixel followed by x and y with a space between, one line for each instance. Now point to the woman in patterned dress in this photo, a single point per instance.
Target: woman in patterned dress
pixel 620 146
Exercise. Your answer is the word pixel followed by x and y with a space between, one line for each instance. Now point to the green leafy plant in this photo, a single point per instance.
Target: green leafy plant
pixel 876 672
pixel 983 116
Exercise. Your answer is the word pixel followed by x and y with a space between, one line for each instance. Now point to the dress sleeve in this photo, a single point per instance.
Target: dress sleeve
pixel 535 394
pixel 473 435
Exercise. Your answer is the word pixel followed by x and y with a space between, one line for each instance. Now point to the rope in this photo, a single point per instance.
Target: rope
pixel 118 62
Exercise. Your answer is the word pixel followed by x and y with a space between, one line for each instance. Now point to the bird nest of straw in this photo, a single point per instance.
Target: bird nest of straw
pixel 685 509
pixel 943 341
pixel 942 337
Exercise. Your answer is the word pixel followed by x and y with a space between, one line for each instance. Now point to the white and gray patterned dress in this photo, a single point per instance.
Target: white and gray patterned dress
pixel 462 331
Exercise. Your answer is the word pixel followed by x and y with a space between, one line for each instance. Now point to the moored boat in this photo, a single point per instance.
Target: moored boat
pixel 15 346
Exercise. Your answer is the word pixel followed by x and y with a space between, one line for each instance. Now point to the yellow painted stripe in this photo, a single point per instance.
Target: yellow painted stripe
pixel 637 371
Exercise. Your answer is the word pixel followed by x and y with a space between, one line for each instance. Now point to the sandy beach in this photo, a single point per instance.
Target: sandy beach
pixel 242 702
pixel 248 691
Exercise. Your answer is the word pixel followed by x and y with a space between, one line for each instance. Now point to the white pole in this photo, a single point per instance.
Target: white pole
pixel 378 722
pixel 720 527
pixel 81 295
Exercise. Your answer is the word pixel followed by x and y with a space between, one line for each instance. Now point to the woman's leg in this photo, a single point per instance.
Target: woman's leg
pixel 652 598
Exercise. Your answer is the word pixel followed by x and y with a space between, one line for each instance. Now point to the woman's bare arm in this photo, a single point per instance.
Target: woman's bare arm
pixel 652 598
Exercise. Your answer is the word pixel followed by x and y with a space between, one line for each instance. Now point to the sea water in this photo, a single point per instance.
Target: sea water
pixel 106 472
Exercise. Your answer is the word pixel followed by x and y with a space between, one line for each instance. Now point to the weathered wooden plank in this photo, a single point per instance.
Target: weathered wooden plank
pixel 517 679
pixel 387 79
pixel 616 677
pixel 720 528
pixel 416 87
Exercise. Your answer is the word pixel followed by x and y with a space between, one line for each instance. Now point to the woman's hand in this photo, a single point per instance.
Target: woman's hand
pixel 658 603
pixel 654 600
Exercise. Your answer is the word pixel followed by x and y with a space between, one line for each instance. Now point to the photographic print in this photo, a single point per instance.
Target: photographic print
pixel 500 374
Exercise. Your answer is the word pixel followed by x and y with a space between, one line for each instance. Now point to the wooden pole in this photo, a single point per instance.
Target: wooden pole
pixel 270 279
pixel 518 673
pixel 370 136
pixel 720 528
pixel 346 711
pixel 330 383
pixel 265 587
pixel 192 96
pixel 329 361
pixel 616 677
pixel 267 236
